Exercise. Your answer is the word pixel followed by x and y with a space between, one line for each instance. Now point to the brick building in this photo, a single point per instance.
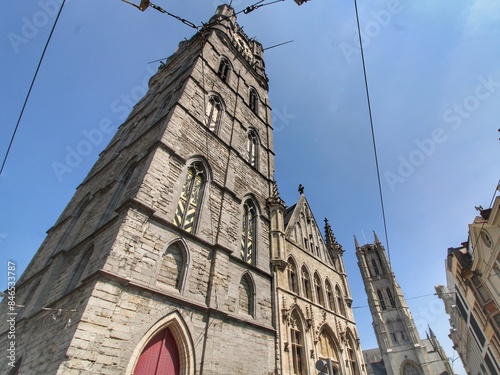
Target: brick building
pixel 176 254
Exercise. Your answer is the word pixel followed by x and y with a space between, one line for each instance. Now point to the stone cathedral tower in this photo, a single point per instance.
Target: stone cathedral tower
pixel 400 351
pixel 176 255
pixel 160 263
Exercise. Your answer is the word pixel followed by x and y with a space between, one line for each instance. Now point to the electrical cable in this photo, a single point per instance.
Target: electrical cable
pixel 31 87
pixel 373 133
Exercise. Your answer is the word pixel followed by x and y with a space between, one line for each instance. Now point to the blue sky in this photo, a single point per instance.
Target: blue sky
pixel 434 83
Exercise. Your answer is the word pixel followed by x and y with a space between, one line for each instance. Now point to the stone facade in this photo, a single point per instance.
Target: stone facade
pixel 313 297
pixel 400 350
pixel 472 296
pixel 178 239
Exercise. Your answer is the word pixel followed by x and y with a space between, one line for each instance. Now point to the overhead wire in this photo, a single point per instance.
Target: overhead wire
pixel 372 132
pixel 31 87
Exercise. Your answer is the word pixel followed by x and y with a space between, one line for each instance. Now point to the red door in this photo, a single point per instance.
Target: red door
pixel 160 356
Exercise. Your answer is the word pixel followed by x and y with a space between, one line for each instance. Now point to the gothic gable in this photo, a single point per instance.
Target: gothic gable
pixel 302 229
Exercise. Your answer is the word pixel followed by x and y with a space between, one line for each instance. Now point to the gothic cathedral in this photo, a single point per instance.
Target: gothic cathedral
pixel 176 254
pixel 400 350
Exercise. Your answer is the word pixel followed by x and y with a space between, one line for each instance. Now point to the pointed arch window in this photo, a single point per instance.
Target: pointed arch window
pixel 340 301
pixel 246 296
pixel 351 357
pixel 292 276
pixel 329 296
pixel 381 300
pixel 327 346
pixel 306 283
pixel 410 369
pixel 248 234
pixel 375 268
pixel 80 268
pixel 213 112
pixel 298 356
pixel 252 148
pixel 160 356
pixel 122 185
pixel 188 209
pixel 254 101
pixel 172 266
pixel 319 290
pixel 224 69
pixel 391 298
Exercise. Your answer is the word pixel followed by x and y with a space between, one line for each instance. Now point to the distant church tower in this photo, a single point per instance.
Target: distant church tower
pixel 160 263
pixel 400 351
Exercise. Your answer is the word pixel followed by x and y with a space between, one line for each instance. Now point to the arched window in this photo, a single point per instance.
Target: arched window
pixel 391 298
pixel 160 356
pixel 252 148
pixel 351 356
pixel 329 296
pixel 188 209
pixel 213 113
pixel 248 234
pixel 172 266
pixel 375 268
pixel 410 368
pixel 292 276
pixel 298 350
pixel 340 300
pixel 381 300
pixel 224 69
pixel 306 283
pixel 254 101
pixel 116 197
pixel 78 271
pixel 319 290
pixel 246 296
pixel 326 346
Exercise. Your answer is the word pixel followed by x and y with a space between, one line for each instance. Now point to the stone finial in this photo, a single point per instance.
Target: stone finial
pixel 356 243
pixel 330 238
pixel 301 189
pixel 376 237
pixel 275 193
pixel 275 196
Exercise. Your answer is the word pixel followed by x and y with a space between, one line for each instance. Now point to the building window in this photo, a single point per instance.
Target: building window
pixel 480 290
pixel 188 209
pixel 248 232
pixel 375 268
pixel 292 276
pixel 254 101
pixel 326 346
pixel 80 268
pixel 224 69
pixel 329 296
pixel 319 290
pixel 118 194
pixel 252 148
pixel 381 300
pixel 391 298
pixel 297 347
pixel 213 113
pixel 172 266
pixel 340 301
pixel 486 238
pixel 351 357
pixel 306 283
pixel 410 369
pixel 246 296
